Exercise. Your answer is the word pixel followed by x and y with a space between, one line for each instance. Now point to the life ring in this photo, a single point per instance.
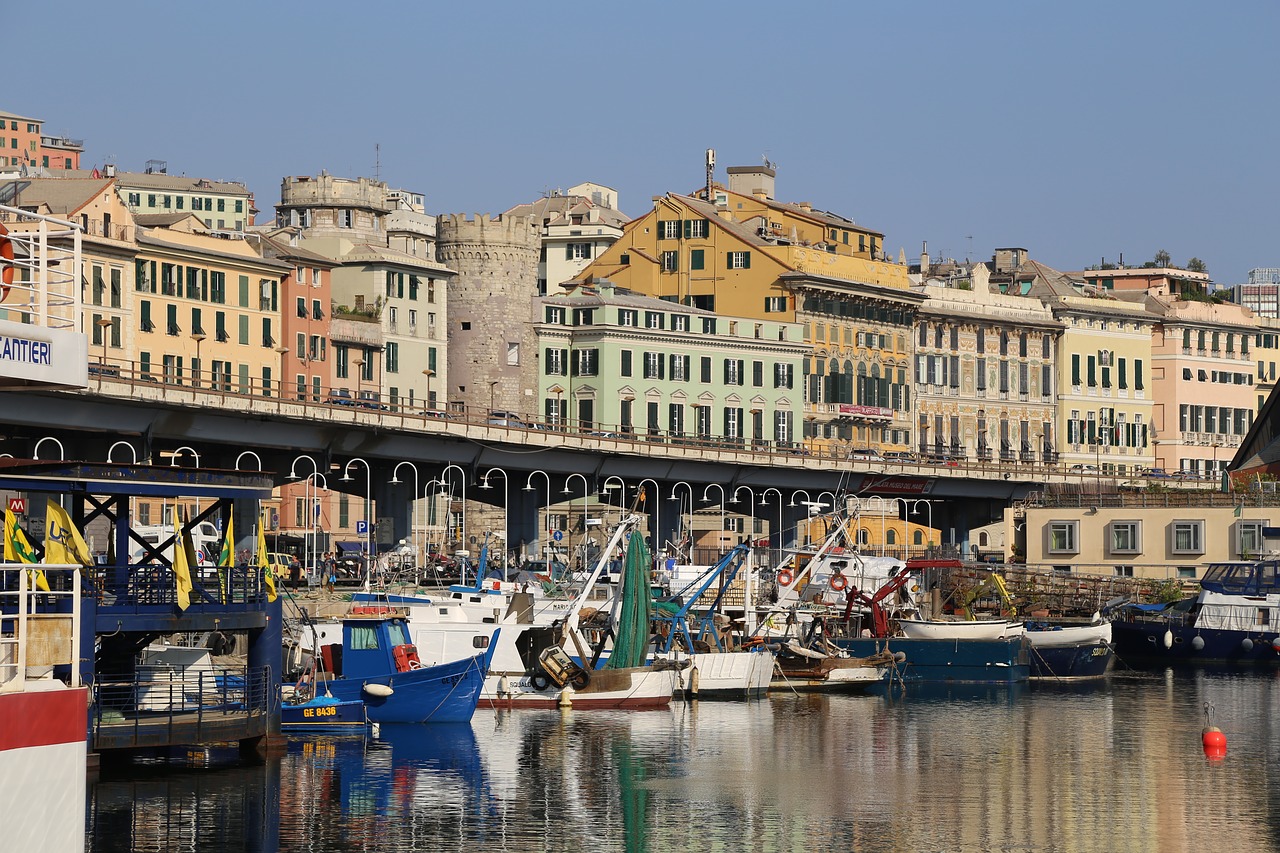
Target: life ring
pixel 6 262
pixel 785 577
pixel 838 582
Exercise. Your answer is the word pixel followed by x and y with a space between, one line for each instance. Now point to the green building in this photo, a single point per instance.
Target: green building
pixel 613 361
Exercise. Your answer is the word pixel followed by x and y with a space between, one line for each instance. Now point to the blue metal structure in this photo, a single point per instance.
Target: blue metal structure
pixel 727 568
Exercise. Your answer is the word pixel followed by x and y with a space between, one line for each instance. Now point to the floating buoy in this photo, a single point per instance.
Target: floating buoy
pixel 381 690
pixel 1275 644
pixel 504 686
pixel 1168 639
pixel 899 657
pixel 1246 644
pixel 1197 643
pixel 1212 738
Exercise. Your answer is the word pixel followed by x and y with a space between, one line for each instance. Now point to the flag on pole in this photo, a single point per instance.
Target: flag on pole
pixel 226 558
pixel 62 541
pixel 18 549
pixel 182 562
pixel 268 575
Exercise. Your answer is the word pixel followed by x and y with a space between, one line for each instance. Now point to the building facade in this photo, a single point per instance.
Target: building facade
pixel 576 227
pixel 23 142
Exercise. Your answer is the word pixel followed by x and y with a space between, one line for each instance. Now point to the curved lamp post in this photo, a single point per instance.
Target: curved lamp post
pixel 413 507
pixel 546 529
pixel 132 450
pixel 720 534
pixel 764 501
pixel 62 453
pixel 462 478
pixel 506 510
pixel 657 509
pixel 245 453
pixel 680 513
pixel 567 491
pixel 368 510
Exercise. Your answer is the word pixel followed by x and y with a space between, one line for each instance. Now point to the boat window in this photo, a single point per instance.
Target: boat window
pixel 1267 577
pixel 363 638
pixel 1264 617
pixel 399 636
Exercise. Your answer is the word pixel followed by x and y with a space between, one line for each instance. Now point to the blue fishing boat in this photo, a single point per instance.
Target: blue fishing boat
pixel 1233 621
pixel 1069 652
pixel 377 665
pixel 323 714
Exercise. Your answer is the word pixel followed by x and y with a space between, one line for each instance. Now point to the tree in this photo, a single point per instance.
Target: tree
pixel 1196 265
pixel 1162 259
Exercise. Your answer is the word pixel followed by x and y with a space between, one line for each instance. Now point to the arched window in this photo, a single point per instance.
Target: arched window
pixel 891 537
pixel 864 536
pixel 917 538
pixel 982 540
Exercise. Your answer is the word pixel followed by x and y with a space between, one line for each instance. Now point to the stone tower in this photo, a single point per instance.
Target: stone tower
pixel 493 359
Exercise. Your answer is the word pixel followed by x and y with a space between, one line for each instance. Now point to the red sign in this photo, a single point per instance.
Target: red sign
pixel 18 505
pixel 890 485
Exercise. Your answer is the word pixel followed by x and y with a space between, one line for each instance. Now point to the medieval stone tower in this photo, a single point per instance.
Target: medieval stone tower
pixel 493 359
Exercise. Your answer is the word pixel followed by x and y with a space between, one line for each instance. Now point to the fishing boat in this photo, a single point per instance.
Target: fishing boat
pixel 1234 620
pixel 800 668
pixel 1069 652
pixel 717 669
pixel 323 714
pixel 377 665
pixel 959 629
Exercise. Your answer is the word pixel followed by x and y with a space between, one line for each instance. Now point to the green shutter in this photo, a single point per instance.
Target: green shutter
pixel 695 259
pixel 1092 372
pixel 1137 374
pixel 1075 368
pixel 746 260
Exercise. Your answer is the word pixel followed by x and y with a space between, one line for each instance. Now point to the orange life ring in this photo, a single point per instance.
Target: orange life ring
pixel 785 577
pixel 838 582
pixel 6 262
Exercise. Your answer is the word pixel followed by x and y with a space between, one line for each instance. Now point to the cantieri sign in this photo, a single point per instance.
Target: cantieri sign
pixel 36 355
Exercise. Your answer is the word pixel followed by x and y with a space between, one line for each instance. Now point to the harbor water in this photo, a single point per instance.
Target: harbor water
pixel 1113 767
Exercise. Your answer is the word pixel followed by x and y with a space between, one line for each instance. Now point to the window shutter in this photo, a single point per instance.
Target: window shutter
pixel 1092 371
pixel 688 228
pixel 662 364
pixel 568 251
pixel 1124 379
pixel 1137 375
pixel 746 260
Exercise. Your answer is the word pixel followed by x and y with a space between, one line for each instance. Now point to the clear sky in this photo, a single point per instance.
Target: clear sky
pixel 1077 130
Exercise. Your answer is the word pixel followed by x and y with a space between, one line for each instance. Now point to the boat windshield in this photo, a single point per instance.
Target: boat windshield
pixel 396 631
pixel 1243 578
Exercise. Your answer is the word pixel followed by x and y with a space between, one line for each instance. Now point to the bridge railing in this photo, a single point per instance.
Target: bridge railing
pixel 139 588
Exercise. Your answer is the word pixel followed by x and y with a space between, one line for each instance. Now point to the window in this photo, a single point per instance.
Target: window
pixel 1063 536
pixel 392 359
pixel 628 317
pixel 653 319
pixel 669 230
pixel 556 359
pixel 783 375
pixel 670 260
pixel 774 304
pixel 679 322
pixel 704 370
pixel 1126 537
pixel 733 374
pixel 1248 539
pixel 708 326
pixel 653 364
pixel 696 228
pixel 577 252
pixel 585 362
pixel 513 353
pixel 624 362
pixel 739 260
pixel 1187 537
pixel 680 368
pixel 302 307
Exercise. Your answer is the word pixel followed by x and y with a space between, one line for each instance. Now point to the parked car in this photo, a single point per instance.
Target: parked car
pixel 507 419
pixel 899 456
pixel 341 397
pixel 1083 468
pixel 867 454
pixel 1155 474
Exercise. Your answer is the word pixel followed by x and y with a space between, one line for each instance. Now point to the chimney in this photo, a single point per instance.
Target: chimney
pixel 924 258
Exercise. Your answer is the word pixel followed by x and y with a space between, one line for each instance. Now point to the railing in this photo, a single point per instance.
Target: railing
pixel 38 628
pixel 136 587
pixel 159 704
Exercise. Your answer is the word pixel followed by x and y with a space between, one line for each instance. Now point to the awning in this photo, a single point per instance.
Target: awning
pixel 358 545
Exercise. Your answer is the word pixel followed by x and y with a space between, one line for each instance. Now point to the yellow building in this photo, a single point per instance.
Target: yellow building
pixel 1103 371
pixel 737 251
pixel 208 310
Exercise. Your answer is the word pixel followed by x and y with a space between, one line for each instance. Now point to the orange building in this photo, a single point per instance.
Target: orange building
pixel 24 142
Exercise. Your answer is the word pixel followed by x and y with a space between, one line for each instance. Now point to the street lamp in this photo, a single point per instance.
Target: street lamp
pixel 255 456
pixel 173 460
pixel 104 323
pixel 528 487
pixel 311 499
pixel 915 510
pixel 720 534
pixel 429 404
pixel 196 368
pixel 282 351
pixel 566 491
pixel 462 477
pixel 413 505
pixel 657 508
pixel 368 510
pixel 680 514
pixel 764 501
pixel 506 511
pixel 359 363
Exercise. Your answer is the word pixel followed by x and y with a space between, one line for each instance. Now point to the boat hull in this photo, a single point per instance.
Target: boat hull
pixel 323 716
pixel 843 675
pixel 1071 653
pixel 726 675
pixel 1004 661
pixel 969 630
pixel 447 693
pixel 43 757
pixel 638 688
pixel 1142 641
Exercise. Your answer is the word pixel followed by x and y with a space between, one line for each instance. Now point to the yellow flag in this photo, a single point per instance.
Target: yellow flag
pixel 182 570
pixel 62 541
pixel 226 558
pixel 17 549
pixel 268 576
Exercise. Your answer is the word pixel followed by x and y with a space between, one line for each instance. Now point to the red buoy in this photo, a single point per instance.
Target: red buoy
pixel 1215 743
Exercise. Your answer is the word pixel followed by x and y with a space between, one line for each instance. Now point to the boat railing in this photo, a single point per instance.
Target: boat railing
pixel 39 629
pixel 135 587
pixel 159 704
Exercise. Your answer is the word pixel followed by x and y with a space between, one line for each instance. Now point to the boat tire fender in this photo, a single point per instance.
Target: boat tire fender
pixel 580 680
pixel 539 680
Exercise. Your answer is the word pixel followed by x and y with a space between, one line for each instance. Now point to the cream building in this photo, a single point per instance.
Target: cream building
pixel 577 225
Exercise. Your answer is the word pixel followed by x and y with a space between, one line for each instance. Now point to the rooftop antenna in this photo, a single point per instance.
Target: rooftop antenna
pixel 968 257
pixel 711 171
pixel 377 162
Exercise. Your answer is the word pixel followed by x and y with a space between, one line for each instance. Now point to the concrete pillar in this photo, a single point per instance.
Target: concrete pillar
pixel 266 651
pixel 522 520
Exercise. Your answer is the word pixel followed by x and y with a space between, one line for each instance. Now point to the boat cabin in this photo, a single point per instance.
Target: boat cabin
pixel 1253 579
pixel 375 642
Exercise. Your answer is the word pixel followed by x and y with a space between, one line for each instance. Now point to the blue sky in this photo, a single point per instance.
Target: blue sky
pixel 1077 130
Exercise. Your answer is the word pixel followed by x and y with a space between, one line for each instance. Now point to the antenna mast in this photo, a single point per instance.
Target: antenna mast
pixel 711 171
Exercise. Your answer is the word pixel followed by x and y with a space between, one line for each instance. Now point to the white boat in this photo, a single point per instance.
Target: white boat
pixel 800 668
pixel 1071 635
pixel 729 675
pixel 981 629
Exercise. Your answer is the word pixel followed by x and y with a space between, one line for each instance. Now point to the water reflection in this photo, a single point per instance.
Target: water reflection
pixel 1115 767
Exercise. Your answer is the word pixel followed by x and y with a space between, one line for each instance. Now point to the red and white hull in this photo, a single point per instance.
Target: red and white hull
pixel 43 782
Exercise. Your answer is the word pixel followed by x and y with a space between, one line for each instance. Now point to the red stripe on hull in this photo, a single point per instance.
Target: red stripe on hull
pixel 43 717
